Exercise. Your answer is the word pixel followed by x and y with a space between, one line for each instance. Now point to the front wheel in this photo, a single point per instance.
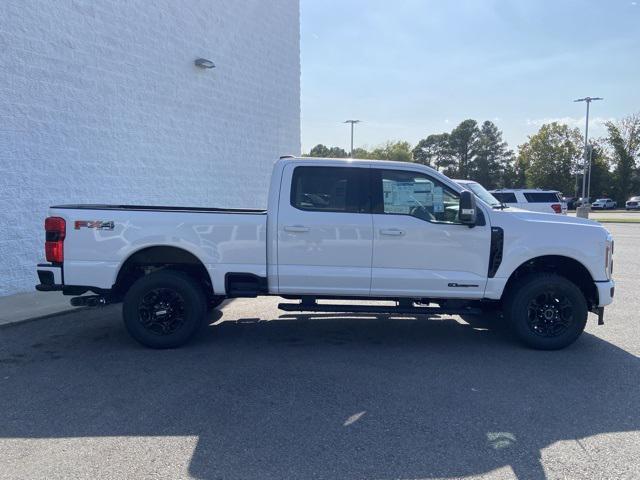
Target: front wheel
pixel 164 309
pixel 546 311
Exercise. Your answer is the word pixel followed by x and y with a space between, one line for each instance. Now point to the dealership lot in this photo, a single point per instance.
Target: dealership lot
pixel 264 394
pixel 609 214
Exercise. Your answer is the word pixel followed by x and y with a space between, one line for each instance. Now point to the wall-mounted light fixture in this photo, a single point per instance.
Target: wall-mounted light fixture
pixel 204 63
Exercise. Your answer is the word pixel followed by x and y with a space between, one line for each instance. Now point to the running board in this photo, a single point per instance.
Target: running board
pixel 319 307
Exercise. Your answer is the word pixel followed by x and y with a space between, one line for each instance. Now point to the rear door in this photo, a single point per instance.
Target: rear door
pixel 325 232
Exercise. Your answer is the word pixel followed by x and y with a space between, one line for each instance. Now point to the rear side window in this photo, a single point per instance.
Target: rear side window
pixel 330 189
pixel 505 197
pixel 542 197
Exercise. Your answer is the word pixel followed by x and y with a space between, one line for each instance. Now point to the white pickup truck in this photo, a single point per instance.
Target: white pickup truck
pixel 335 229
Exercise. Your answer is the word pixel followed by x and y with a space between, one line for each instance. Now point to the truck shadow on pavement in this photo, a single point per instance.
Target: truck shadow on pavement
pixel 323 396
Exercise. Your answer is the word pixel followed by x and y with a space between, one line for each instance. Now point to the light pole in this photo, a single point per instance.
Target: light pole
pixel 352 122
pixel 587 157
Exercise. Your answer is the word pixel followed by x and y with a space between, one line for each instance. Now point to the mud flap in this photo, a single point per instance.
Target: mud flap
pixel 600 312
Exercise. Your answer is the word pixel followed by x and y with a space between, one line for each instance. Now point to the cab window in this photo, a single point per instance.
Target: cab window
pixel 398 192
pixel 330 189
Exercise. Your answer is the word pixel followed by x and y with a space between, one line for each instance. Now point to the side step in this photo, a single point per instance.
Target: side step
pixel 318 307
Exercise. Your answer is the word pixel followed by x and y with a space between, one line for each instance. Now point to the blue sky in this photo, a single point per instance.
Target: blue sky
pixel 408 68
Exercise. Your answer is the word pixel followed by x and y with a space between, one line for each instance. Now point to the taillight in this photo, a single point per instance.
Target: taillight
pixel 56 229
pixel 557 208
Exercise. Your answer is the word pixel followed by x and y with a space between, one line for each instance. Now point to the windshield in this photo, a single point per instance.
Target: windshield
pixel 482 193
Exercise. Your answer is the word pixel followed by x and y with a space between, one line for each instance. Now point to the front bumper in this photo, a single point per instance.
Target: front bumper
pixel 606 290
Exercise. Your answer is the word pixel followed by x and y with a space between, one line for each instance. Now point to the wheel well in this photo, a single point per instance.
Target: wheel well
pixel 567 267
pixel 152 259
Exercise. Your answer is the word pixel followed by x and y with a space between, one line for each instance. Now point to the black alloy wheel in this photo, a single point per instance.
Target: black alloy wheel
pixel 164 309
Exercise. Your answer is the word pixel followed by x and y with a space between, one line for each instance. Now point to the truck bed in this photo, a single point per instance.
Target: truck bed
pixel 224 240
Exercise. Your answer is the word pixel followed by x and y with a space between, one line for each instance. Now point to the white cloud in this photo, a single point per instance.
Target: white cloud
pixel 594 122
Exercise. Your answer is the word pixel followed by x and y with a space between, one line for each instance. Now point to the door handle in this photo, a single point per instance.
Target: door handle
pixel 296 228
pixel 392 231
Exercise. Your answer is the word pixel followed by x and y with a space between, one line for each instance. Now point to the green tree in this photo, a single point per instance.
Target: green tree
pixel 399 151
pixel 361 153
pixel 624 140
pixel 434 151
pixel 462 141
pixel 515 175
pixel 493 159
pixel 326 152
pixel 602 183
pixel 319 150
pixel 550 157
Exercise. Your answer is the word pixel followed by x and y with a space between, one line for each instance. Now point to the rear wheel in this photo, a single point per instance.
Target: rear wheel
pixel 164 309
pixel 546 311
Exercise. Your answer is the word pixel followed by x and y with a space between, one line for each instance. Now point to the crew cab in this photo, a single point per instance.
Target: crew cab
pixel 335 229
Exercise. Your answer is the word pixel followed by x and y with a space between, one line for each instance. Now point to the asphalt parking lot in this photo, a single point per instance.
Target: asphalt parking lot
pixel 268 395
pixel 611 214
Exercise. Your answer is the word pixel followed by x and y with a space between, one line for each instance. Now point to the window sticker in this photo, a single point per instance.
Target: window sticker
pixel 438 200
pixel 404 197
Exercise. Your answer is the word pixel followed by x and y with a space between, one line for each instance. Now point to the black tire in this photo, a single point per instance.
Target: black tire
pixel 546 311
pixel 164 309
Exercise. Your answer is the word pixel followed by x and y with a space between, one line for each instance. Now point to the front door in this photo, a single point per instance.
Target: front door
pixel 420 249
pixel 325 232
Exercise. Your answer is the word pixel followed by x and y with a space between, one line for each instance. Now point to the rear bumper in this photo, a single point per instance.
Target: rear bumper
pixel 50 277
pixel 606 291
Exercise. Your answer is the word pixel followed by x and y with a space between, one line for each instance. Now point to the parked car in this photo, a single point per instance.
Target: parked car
pixel 334 229
pixel 604 204
pixel 536 200
pixel 632 204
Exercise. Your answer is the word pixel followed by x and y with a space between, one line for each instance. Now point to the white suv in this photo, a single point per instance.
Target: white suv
pixel 536 200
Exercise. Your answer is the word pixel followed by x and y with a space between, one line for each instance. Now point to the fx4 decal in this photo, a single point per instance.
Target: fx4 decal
pixel 97 224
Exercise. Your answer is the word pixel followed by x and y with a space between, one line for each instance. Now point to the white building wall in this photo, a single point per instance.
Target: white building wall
pixel 100 102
